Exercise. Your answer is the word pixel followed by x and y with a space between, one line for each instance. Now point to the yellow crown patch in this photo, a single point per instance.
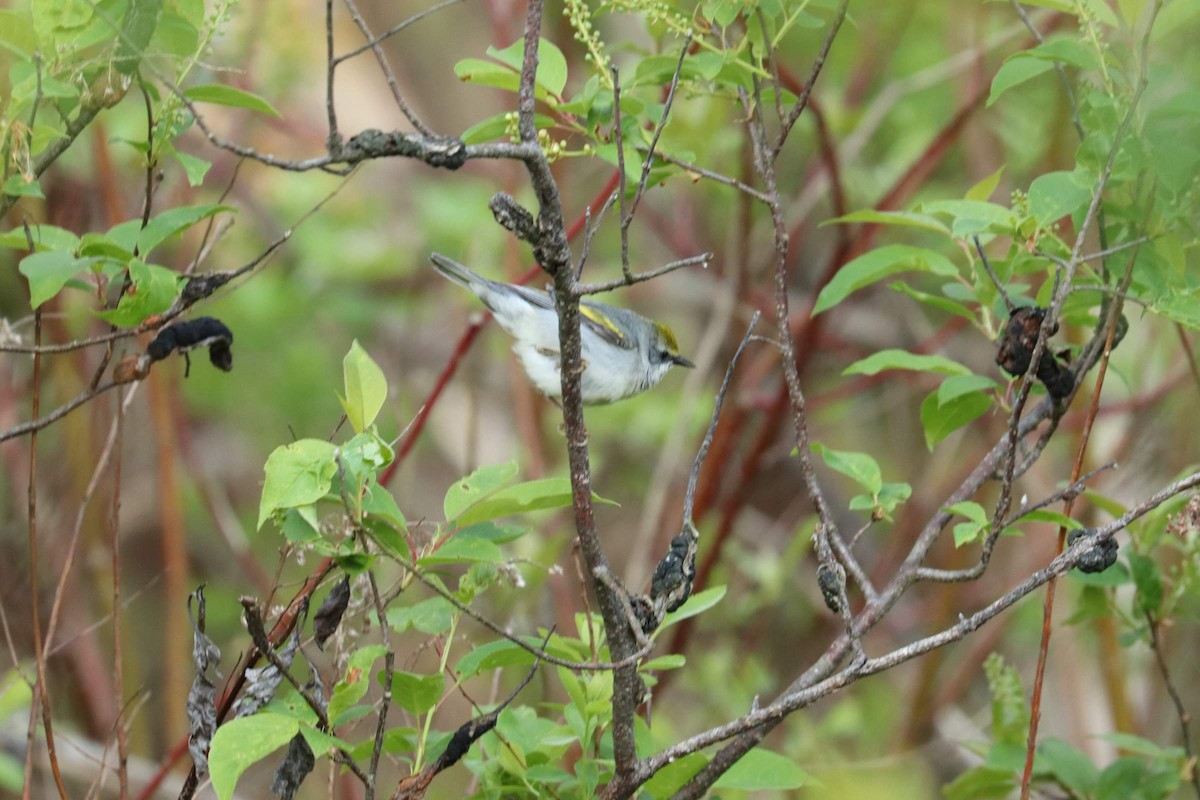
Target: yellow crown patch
pixel 667 336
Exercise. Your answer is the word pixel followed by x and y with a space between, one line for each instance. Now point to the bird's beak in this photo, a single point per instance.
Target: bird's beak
pixel 681 361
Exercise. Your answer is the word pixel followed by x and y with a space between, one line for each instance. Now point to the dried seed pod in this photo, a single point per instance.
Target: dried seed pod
pixel 1019 338
pixel 1015 351
pixel 1097 558
pixel 830 584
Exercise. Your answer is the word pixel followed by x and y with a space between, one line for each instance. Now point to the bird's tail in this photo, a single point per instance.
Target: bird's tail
pixel 458 273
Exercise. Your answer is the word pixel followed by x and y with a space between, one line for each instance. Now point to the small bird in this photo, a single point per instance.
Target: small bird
pixel 623 353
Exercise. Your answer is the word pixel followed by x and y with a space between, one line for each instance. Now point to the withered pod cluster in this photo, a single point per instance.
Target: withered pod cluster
pixel 1016 351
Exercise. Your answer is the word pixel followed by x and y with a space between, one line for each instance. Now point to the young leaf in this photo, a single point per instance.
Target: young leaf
pixel 366 387
pixel 1055 195
pixel 529 496
pixel 763 770
pixel 297 474
pixel 45 237
pixel 463 549
pixel 433 615
pixel 500 653
pixel 907 218
pixel 48 273
pixel 417 693
pixel 878 264
pixel 965 532
pixel 674 775
pixel 940 420
pixel 552 65
pixel 696 604
pixel 858 466
pixel 902 359
pixel 983 190
pixel 1014 72
pixel 229 96
pixel 480 484
pixel 353 687
pixel 240 743
pixel 957 385
pixel 176 220
pixel 154 291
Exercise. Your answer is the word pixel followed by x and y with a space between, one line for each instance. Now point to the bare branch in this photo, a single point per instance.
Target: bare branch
pixel 607 286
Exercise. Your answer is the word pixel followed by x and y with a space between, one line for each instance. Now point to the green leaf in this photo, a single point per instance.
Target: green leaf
pixel 940 420
pixel 981 783
pixel 354 684
pixel 970 217
pixel 669 661
pixel 487 73
pixel 1055 195
pixel 1147 578
pixel 957 385
pixel 17 186
pixel 432 616
pixel 1140 746
pixel 300 526
pixel 379 502
pixel 176 220
pixel 240 743
pixel 496 126
pixel 937 301
pixel 878 264
pixel 858 466
pixel 493 655
pixel 906 218
pixel 154 290
pixel 229 96
pixel 1014 72
pixel 45 237
pixel 477 486
pixel 1071 767
pixel 194 167
pixel 983 190
pixel 417 693
pixel 761 770
pixel 460 549
pixel 366 387
pixel 902 359
pixel 48 273
pixel 552 65
pixel 696 604
pixel 297 474
pixel 674 775
pixel 524 497
pixel 965 532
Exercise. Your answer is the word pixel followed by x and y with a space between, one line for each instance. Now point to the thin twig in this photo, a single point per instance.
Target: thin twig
pixel 618 136
pixel 381 57
pixel 713 176
pixel 118 648
pixel 617 283
pixel 1181 711
pixel 987 265
pixel 41 697
pixel 648 162
pixel 814 73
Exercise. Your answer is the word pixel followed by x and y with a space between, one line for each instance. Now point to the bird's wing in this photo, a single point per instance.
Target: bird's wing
pixel 603 327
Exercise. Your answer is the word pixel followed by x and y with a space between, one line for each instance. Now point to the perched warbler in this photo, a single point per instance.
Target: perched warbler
pixel 623 353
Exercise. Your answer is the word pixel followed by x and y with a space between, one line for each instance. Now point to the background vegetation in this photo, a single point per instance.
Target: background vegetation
pixel 930 123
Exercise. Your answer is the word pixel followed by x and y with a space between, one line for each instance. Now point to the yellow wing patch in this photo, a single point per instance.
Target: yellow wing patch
pixel 603 326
